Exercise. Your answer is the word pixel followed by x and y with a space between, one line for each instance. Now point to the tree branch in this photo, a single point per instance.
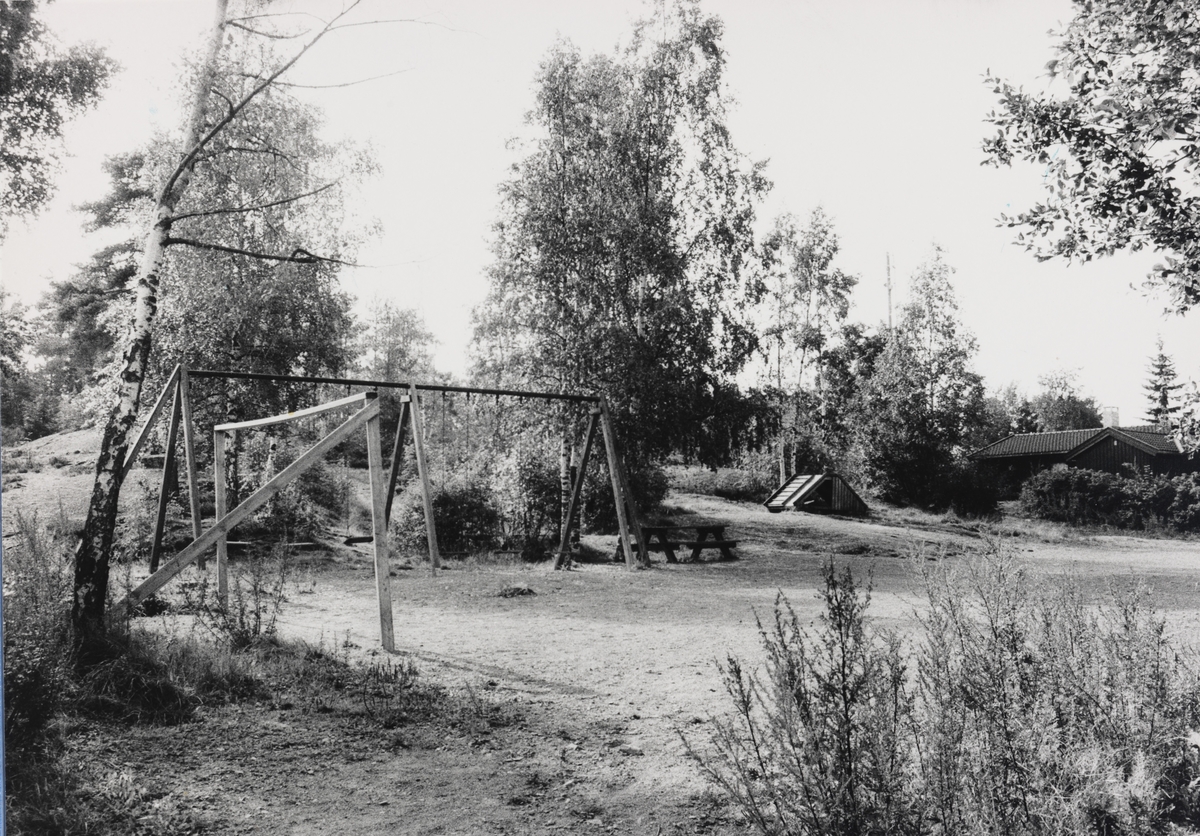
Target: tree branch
pixel 418 21
pixel 345 84
pixel 298 256
pixel 260 33
pixel 190 157
pixel 236 209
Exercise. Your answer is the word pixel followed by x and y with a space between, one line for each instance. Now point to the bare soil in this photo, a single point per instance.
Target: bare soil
pixel 598 677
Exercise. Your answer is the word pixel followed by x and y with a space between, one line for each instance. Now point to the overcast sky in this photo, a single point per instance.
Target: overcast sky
pixel 873 110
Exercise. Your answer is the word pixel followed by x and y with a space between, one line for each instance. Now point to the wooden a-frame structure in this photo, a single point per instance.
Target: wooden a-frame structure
pixel 382 491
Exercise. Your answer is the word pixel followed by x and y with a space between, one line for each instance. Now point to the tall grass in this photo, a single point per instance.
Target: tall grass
pixel 1014 711
pixel 38 579
pixel 137 675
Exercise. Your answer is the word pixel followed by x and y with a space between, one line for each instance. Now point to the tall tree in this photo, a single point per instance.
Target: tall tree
pixel 1061 406
pixel 14 337
pixel 42 85
pixel 1161 388
pixel 941 347
pixel 622 254
pixel 77 323
pixel 223 96
pixel 923 399
pixel 395 344
pixel 1118 152
pixel 807 300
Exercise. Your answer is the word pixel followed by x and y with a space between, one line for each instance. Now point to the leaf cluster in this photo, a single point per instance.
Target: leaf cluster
pixel 42 86
pixel 1119 149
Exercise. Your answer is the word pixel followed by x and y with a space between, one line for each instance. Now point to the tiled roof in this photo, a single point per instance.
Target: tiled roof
pixel 1152 436
pixel 1036 444
pixel 1064 441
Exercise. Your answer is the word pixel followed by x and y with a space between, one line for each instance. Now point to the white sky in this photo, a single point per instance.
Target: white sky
pixel 872 109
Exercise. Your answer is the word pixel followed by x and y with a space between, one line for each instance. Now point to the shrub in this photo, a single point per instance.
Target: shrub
pixel 255 598
pixel 464 515
pixel 38 577
pixel 818 743
pixel 298 511
pixel 1089 497
pixel 528 498
pixel 647 482
pixel 728 483
pixel 970 492
pixel 1026 713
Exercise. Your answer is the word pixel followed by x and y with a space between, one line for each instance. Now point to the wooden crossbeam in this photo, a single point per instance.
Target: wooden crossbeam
pixel 383 580
pixel 220 438
pixel 160 519
pixel 320 409
pixel 397 455
pixel 629 529
pixel 189 454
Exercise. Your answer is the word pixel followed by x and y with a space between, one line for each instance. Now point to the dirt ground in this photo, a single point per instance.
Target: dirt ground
pixel 606 670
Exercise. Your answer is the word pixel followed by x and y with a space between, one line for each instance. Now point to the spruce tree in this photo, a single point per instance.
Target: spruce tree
pixel 1161 388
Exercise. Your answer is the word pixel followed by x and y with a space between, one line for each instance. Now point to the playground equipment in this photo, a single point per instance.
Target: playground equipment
pixel 365 417
pixel 817 493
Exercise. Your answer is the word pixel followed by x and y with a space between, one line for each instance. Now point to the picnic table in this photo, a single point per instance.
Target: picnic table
pixel 658 538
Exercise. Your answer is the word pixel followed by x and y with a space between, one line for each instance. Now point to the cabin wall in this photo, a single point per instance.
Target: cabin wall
pixel 846 501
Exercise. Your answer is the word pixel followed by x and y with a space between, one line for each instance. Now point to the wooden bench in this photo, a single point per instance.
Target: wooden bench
pixel 699 545
pixel 657 539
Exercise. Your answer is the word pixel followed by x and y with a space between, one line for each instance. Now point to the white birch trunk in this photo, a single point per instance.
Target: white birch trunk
pixel 95 551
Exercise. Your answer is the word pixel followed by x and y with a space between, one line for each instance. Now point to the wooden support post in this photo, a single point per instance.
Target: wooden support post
pixel 383 581
pixel 616 475
pixel 251 504
pixel 397 456
pixel 132 453
pixel 576 490
pixel 423 472
pixel 189 450
pixel 219 488
pixel 160 520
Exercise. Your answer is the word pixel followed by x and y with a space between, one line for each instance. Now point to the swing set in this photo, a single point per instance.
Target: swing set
pixel 366 414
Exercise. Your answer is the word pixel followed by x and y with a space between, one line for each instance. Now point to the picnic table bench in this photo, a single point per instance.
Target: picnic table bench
pixel 658 539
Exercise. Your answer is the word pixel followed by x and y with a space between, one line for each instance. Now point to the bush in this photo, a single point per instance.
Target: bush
pixel 528 498
pixel 970 492
pixel 647 482
pixel 1026 713
pixel 1090 497
pixel 728 483
pixel 298 511
pixel 818 744
pixel 254 600
pixel 463 513
pixel 38 577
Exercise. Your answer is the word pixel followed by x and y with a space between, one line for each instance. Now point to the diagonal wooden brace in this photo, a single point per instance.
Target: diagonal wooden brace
pixel 252 503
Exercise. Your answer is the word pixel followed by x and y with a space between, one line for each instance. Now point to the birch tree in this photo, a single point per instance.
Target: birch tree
pixel 219 102
pixel 808 299
pixel 623 249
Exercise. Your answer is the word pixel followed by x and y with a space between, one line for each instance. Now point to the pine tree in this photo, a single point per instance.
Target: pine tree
pixel 1162 388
